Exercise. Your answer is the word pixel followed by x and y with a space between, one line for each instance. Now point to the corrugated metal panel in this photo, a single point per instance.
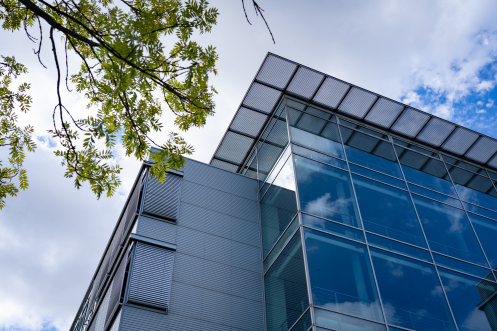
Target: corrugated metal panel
pixel 459 141
pixel 357 102
pixel 116 322
pixel 102 313
pixel 150 276
pixel 384 112
pixel 156 229
pixel 261 97
pixel 224 165
pixel 162 199
pixel 206 175
pixel 435 131
pixel 276 71
pixel 482 150
pixel 410 122
pixel 115 290
pixel 134 319
pixel 331 92
pixel 305 82
pixel 248 122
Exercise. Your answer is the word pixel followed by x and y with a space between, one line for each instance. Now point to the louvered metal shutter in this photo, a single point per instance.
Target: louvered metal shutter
pixel 162 199
pixel 151 276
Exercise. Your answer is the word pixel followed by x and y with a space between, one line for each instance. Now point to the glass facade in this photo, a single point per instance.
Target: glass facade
pixel 364 231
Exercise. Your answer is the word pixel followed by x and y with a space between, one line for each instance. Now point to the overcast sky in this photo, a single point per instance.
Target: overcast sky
pixel 437 55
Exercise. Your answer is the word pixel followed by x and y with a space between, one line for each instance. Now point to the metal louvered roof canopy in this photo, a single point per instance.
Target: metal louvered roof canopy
pixel 278 76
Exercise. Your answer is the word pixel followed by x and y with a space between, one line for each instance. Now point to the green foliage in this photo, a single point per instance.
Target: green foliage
pixel 16 139
pixel 137 56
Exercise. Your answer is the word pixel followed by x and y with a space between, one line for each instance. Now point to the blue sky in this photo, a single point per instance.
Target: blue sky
pixel 437 55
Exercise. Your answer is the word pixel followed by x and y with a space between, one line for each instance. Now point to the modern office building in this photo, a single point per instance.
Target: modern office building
pixel 325 207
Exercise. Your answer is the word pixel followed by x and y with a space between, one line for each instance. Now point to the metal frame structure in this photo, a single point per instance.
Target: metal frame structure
pixel 278 76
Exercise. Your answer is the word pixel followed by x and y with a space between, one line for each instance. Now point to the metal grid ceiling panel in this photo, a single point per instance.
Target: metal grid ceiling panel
pixel 224 165
pixel 234 147
pixel 357 102
pixel 162 199
pixel 248 122
pixel 261 97
pixel 410 122
pixel 493 162
pixel 384 112
pixel 276 72
pixel 331 92
pixel 151 276
pixel 435 131
pixel 460 140
pixel 305 82
pixel 482 150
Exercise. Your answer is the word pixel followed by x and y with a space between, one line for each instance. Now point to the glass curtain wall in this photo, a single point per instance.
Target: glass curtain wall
pixel 382 234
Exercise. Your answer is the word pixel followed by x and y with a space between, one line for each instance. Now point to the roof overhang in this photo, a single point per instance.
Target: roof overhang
pixel 278 76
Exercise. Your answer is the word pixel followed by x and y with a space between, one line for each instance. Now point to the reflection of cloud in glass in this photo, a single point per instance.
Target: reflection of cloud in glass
pixel 474 321
pixel 286 177
pixel 324 206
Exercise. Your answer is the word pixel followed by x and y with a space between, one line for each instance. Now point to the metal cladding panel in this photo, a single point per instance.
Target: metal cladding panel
pixel 246 284
pixel 132 205
pixel 459 141
pixel 162 199
pixel 150 276
pixel 493 162
pixel 262 98
pixel 305 82
pixel 331 92
pixel 435 132
pixel 249 314
pixel 224 165
pixel 156 229
pixel 357 102
pixel 208 176
pixel 102 312
pixel 410 122
pixel 276 71
pixel 234 147
pixel 482 150
pixel 115 290
pixel 133 319
pixel 116 323
pixel 181 322
pixel 384 112
pixel 248 122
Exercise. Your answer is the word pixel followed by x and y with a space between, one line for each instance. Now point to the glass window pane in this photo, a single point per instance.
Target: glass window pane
pixel 332 227
pixel 463 266
pixel 281 243
pixel 277 167
pixel 376 175
pixel 347 132
pixel 475 189
pixel 319 157
pixel 286 288
pixel 415 147
pixel 341 322
pixel 372 153
pixel 425 171
pixel 395 246
pixel 410 291
pixel 304 323
pixel 326 192
pixel 388 211
pixel 435 195
pixel 278 207
pixel 486 229
pixel 479 210
pixel 464 294
pixel 315 133
pixel 448 230
pixel 351 290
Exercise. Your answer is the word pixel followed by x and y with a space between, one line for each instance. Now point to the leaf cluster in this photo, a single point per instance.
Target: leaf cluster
pixel 17 139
